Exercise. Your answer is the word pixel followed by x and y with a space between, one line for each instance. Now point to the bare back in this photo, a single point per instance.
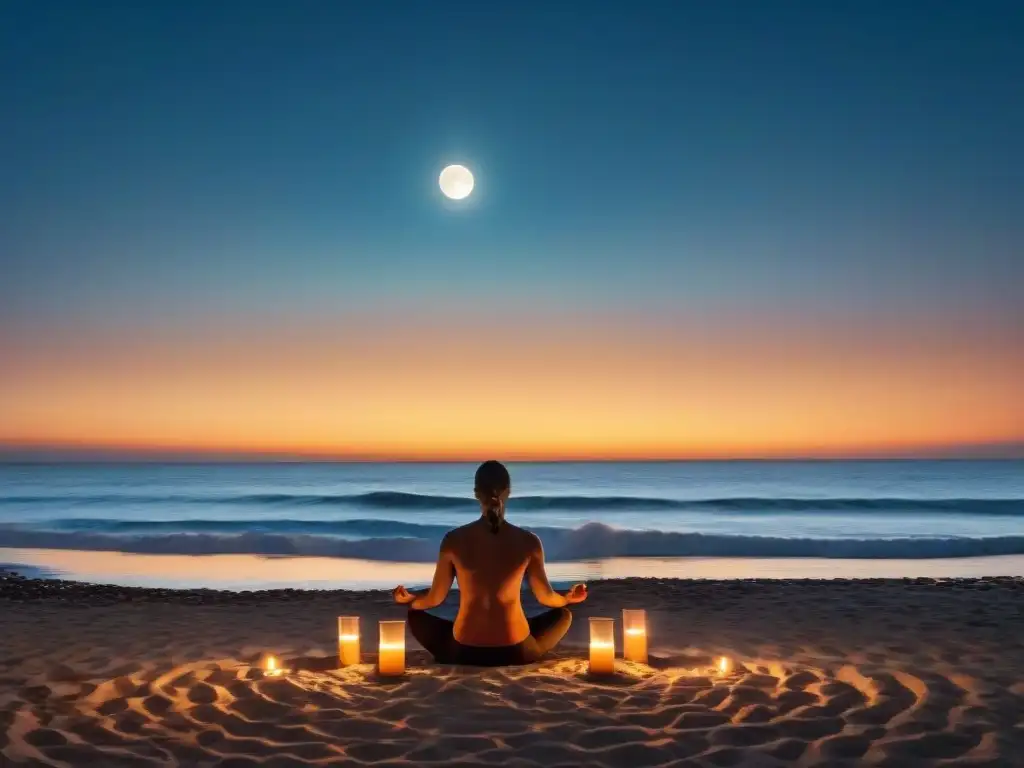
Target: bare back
pixel 490 568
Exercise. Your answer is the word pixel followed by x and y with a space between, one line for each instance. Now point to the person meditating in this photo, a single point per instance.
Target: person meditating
pixel 490 557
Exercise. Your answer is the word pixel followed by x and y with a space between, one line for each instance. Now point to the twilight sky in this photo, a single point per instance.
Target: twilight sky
pixel 699 229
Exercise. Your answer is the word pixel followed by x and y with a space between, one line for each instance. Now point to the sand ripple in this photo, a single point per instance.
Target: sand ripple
pixel 180 684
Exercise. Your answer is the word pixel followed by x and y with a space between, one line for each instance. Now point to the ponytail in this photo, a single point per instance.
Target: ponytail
pixel 495 518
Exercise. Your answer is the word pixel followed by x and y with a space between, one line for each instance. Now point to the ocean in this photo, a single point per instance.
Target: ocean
pixel 377 514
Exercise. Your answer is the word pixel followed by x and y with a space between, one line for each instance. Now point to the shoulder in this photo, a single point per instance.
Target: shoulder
pixel 454 536
pixel 530 539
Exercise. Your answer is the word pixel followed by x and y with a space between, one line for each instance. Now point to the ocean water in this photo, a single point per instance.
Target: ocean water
pixel 583 512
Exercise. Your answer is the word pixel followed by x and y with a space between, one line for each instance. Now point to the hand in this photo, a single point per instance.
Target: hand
pixel 577 594
pixel 402 595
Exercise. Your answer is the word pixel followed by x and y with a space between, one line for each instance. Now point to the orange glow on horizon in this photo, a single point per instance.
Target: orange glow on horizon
pixel 274 451
pixel 527 389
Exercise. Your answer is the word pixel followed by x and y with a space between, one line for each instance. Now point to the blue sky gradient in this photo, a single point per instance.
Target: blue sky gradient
pixel 167 161
pixel 680 151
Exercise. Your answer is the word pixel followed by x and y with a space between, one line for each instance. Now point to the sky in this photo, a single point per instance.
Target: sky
pixel 698 229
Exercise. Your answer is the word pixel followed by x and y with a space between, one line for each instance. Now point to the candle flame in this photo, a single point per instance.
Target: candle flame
pixel 723 665
pixel 348 638
pixel 600 644
pixel 634 631
pixel 271 664
pixel 392 646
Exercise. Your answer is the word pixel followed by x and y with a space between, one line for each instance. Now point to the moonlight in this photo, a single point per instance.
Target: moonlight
pixel 456 182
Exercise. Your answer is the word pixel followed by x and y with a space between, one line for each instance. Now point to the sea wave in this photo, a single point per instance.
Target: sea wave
pixel 411 502
pixel 343 528
pixel 590 541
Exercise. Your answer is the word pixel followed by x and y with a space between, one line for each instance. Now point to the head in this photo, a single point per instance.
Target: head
pixel 492 487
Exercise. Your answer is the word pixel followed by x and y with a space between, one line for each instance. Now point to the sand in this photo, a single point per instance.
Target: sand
pixel 830 673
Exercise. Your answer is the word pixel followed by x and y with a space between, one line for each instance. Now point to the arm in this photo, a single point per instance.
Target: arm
pixel 444 575
pixel 538 577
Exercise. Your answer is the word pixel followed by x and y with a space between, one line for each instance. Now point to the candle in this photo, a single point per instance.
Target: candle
pixel 348 640
pixel 602 646
pixel 634 635
pixel 391 661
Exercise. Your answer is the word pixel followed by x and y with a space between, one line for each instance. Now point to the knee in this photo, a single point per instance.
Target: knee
pixel 415 618
pixel 565 617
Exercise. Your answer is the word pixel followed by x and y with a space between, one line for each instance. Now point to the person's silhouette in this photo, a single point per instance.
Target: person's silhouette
pixel 490 557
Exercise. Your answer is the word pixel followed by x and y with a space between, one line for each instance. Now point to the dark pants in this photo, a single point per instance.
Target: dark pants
pixel 437 635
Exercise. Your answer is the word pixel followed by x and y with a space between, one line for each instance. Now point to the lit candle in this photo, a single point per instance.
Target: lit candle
pixel 391 661
pixel 348 640
pixel 271 667
pixel 634 635
pixel 724 665
pixel 602 646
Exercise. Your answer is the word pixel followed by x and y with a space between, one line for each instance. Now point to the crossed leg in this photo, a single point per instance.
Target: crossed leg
pixel 437 635
pixel 548 628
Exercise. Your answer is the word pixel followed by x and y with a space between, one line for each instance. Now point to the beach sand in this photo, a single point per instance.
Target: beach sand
pixel 831 673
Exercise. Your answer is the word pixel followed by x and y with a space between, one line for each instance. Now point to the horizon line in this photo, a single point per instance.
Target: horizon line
pixel 34 453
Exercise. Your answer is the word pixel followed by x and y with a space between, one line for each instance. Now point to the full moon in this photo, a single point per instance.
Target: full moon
pixel 456 182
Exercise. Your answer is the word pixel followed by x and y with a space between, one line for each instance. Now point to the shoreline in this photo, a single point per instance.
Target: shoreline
pixel 18 587
pixel 907 672
pixel 249 572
